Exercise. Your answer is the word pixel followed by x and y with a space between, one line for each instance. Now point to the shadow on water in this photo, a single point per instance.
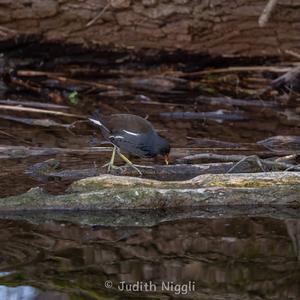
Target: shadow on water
pixel 210 256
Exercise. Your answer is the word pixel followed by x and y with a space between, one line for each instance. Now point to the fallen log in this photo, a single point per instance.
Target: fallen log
pixel 45 171
pixel 119 192
pixel 227 28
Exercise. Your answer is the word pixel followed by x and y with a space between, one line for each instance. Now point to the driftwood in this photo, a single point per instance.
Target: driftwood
pixel 65 80
pixel 218 163
pixel 274 69
pixel 34 104
pixel 235 102
pixel 118 192
pixel 40 111
pixel 218 143
pixel 156 84
pixel 242 158
pixel 220 115
pixel 280 142
pixel 46 170
pixel 36 122
pixel 277 145
pixel 22 152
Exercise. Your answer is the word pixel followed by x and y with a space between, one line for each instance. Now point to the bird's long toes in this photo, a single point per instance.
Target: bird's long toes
pixel 135 168
pixel 111 167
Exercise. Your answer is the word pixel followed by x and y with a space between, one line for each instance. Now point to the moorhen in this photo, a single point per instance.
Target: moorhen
pixel 131 134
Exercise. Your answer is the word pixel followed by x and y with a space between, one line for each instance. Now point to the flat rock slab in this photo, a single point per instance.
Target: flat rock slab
pixel 119 192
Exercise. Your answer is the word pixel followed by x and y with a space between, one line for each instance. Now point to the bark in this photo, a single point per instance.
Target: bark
pixel 214 27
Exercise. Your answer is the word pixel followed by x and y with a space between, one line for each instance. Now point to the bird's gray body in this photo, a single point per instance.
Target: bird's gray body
pixel 132 134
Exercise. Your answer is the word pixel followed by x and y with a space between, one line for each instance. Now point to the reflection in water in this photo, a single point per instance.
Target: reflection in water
pixel 18 293
pixel 2 274
pixel 29 293
pixel 239 258
pixel 293 228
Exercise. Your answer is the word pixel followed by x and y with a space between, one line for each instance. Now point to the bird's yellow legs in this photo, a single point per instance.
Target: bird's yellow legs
pixel 129 162
pixel 111 165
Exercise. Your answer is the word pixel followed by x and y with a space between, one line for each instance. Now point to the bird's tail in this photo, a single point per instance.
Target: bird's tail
pixel 99 120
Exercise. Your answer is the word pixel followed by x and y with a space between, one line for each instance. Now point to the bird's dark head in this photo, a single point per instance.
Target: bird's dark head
pixel 163 148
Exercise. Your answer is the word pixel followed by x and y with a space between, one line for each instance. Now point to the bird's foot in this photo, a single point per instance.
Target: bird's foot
pixel 110 166
pixel 135 167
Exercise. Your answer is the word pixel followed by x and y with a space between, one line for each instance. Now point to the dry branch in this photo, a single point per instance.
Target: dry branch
pixel 34 104
pixel 274 69
pixel 265 16
pixel 281 142
pixel 40 111
pixel 36 122
pixel 276 164
pixel 65 80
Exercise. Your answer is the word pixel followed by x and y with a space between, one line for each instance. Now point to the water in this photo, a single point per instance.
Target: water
pixel 170 91
pixel 208 257
pixel 214 253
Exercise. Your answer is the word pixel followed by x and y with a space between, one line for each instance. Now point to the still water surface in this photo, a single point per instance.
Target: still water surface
pixel 242 257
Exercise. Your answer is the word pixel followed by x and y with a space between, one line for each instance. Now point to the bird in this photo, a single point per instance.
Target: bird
pixel 131 134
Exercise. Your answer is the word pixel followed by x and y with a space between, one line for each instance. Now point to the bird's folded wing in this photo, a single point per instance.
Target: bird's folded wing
pixel 97 119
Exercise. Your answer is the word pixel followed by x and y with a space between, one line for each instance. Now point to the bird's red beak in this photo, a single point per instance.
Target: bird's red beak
pixel 166 157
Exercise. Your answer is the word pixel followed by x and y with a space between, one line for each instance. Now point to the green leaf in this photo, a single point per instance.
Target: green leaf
pixel 73 98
